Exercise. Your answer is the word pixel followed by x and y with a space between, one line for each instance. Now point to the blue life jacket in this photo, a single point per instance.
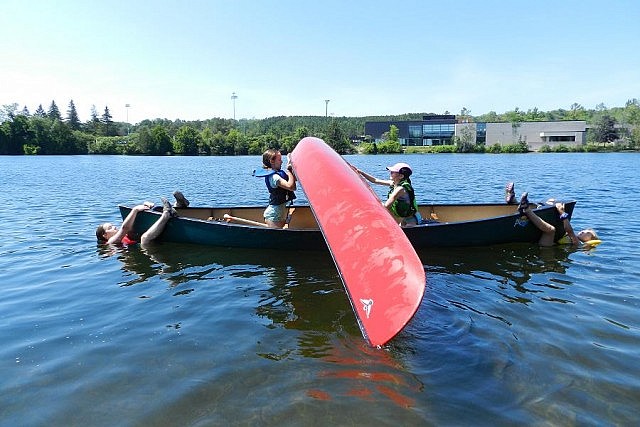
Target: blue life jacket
pixel 278 195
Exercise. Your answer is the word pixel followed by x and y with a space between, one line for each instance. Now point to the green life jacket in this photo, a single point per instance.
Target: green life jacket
pixel 401 208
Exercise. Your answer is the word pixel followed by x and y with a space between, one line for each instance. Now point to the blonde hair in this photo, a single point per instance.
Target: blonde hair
pixel 593 233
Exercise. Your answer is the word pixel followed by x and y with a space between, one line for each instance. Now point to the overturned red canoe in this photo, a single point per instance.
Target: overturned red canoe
pixel 379 267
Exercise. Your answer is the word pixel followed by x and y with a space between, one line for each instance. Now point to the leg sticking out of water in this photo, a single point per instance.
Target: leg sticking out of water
pixel 548 230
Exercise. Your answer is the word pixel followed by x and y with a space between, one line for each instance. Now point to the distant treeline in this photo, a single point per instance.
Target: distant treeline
pixel 48 132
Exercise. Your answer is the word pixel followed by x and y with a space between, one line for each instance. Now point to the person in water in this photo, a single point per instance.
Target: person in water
pixel 110 234
pixel 281 185
pixel 401 200
pixel 549 231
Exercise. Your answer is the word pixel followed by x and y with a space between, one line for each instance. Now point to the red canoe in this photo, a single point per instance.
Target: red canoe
pixel 379 267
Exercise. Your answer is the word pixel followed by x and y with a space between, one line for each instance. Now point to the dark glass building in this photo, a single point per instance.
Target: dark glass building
pixel 431 130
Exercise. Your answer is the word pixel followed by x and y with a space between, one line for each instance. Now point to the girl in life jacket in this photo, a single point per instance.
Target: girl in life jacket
pixel 281 185
pixel 401 200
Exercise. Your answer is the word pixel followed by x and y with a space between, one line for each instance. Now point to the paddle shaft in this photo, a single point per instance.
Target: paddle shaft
pixel 228 217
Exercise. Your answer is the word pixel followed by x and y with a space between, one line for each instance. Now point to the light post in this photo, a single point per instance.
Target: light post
pixel 326 107
pixel 127 107
pixel 233 98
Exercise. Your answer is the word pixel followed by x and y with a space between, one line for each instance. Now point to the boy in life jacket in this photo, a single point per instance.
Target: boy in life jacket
pixel 401 200
pixel 281 185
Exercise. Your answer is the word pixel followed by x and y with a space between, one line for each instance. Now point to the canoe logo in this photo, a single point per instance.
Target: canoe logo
pixel 366 306
pixel 521 222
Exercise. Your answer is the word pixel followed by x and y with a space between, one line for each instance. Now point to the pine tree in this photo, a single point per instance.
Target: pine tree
pixel 107 122
pixel 72 117
pixel 54 112
pixel 93 125
pixel 40 112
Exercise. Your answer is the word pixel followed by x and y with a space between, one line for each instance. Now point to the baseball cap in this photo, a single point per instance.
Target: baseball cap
pixel 398 166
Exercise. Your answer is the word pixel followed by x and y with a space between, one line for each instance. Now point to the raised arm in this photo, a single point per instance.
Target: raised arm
pixel 127 224
pixel 372 178
pixel 567 224
pixel 290 184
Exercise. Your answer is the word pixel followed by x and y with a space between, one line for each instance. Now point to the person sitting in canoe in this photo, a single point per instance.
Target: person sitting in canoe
pixel 109 233
pixel 281 185
pixel 401 200
pixel 587 236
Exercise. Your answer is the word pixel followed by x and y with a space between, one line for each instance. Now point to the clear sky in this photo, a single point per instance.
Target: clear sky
pixel 183 59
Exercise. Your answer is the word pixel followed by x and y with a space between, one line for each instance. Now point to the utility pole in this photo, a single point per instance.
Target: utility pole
pixel 233 98
pixel 127 107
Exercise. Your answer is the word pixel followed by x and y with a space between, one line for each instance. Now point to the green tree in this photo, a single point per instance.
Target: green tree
pixel 466 141
pixel 256 145
pixel 61 139
pixel 337 140
pixel 93 126
pixel 40 112
pixel 394 133
pixel 81 141
pixel 516 118
pixel 186 141
pixel 238 141
pixel 105 145
pixel 490 117
pixel 300 133
pixel 534 115
pixel 143 140
pixel 19 134
pixel 206 141
pixel 389 147
pixel 8 112
pixel 161 141
pixel 4 138
pixel 576 112
pixel 54 112
pixel 465 115
pixel 72 117
pixel 41 126
pixel 107 123
pixel 605 129
pixel 368 148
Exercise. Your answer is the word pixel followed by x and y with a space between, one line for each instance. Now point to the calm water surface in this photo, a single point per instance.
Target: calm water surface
pixel 187 335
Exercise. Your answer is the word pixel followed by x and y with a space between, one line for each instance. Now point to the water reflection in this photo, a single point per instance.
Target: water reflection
pixel 298 291
pixel 496 283
pixel 300 299
pixel 514 265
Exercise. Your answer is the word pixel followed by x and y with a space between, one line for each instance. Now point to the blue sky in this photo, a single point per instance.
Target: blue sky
pixel 184 59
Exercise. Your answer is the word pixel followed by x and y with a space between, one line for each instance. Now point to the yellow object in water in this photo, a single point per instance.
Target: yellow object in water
pixel 565 240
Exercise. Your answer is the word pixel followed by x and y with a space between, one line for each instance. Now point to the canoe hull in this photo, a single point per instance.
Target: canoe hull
pixel 381 272
pixel 461 225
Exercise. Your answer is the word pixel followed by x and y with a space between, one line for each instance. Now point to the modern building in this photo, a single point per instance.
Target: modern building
pixel 442 130
pixel 431 130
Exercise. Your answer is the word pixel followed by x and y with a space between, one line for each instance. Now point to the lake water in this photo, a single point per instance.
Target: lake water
pixel 187 335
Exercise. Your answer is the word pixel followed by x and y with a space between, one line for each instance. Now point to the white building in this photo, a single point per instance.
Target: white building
pixel 534 134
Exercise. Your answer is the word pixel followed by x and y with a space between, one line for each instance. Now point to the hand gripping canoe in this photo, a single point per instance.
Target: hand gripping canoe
pixel 383 276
